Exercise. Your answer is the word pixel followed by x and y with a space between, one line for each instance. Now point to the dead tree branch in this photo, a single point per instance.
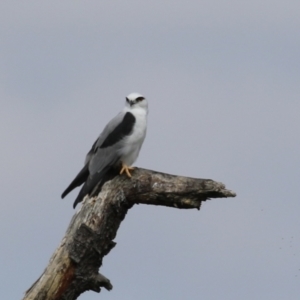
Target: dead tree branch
pixel 73 268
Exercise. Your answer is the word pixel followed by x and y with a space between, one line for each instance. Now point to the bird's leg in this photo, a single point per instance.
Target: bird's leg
pixel 126 169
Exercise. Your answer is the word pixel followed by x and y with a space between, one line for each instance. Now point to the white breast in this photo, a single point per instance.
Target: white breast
pixel 133 143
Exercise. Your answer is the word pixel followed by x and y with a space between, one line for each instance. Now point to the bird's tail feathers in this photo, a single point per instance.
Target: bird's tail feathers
pixel 79 180
pixel 95 182
pixel 88 187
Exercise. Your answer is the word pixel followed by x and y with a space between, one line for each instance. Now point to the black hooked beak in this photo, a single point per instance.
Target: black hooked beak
pixel 129 102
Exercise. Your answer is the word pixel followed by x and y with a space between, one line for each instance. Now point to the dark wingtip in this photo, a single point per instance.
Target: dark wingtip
pixel 74 204
pixel 78 199
pixel 64 194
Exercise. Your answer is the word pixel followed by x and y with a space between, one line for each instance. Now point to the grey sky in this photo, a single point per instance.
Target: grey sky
pixel 222 80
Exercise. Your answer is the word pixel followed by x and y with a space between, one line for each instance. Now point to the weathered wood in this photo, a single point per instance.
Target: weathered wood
pixel 73 268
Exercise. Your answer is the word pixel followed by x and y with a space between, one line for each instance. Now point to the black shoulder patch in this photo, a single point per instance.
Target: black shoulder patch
pixel 123 129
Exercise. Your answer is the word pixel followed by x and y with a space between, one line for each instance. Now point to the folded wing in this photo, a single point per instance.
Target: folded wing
pixel 105 153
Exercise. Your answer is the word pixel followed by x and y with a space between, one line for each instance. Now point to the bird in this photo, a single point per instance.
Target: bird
pixel 118 145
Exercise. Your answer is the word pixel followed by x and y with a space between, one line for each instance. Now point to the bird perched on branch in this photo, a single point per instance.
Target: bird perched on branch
pixel 118 144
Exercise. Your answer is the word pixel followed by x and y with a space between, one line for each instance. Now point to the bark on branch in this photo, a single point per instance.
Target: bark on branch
pixel 73 268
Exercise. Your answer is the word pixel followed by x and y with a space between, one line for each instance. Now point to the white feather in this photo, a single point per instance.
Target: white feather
pixel 133 143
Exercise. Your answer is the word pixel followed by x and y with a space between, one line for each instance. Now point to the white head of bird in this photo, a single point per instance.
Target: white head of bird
pixel 136 101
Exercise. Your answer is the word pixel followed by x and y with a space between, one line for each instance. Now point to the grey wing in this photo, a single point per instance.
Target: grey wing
pixel 104 134
pixel 104 158
pixel 99 164
pixel 106 150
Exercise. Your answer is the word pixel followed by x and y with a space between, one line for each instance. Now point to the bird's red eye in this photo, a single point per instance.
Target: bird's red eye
pixel 139 99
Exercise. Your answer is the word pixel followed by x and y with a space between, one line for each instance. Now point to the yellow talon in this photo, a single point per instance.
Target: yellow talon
pixel 126 169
